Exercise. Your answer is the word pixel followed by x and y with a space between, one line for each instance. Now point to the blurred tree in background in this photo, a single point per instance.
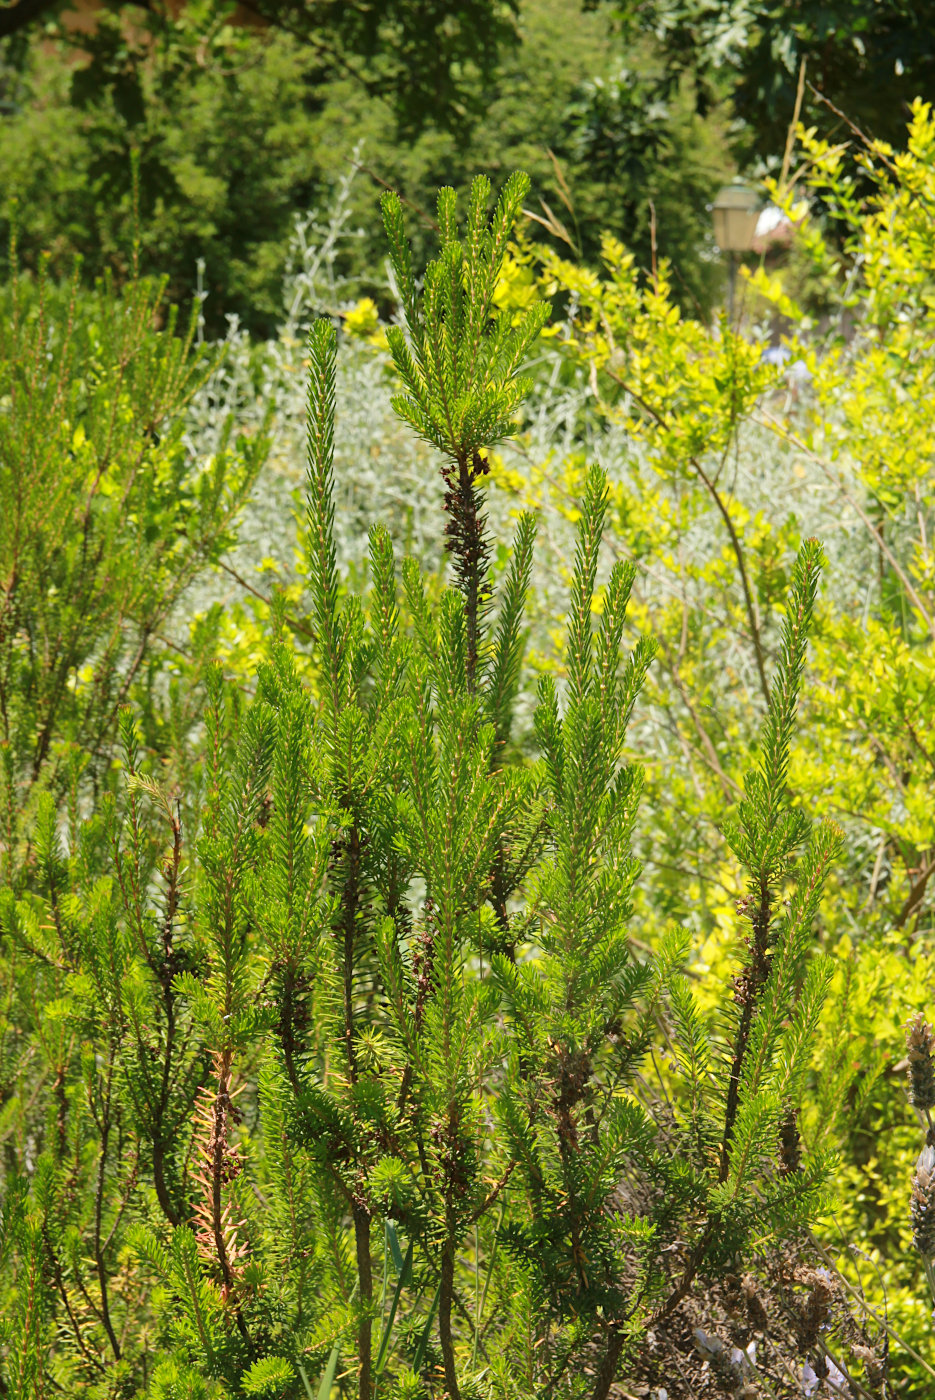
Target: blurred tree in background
pixel 627 116
pixel 869 58
pixel 423 56
pixel 241 123
pixel 224 107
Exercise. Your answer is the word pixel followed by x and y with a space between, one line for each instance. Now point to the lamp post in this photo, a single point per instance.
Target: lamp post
pixel 735 211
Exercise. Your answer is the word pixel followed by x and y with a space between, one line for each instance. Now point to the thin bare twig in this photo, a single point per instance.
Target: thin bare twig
pixel 793 125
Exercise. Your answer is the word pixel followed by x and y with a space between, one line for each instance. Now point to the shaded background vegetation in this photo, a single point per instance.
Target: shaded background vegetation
pixel 626 116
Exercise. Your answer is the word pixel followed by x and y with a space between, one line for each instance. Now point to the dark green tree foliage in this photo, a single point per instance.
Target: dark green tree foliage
pixel 345 1079
pixel 222 186
pixel 234 125
pixel 870 58
pixel 272 118
pixel 641 166
pixel 424 55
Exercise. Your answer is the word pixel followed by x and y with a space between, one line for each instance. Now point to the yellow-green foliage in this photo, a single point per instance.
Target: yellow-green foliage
pixel 759 455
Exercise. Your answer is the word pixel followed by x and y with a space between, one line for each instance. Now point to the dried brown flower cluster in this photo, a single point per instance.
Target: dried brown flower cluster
pixel 920 1042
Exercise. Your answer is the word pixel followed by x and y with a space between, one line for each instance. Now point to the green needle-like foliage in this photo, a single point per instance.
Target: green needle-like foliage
pixel 459 363
pixel 458 359
pixel 345 1081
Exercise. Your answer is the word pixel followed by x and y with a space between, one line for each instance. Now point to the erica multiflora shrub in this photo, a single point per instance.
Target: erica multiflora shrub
pixel 346 1076
pixel 106 516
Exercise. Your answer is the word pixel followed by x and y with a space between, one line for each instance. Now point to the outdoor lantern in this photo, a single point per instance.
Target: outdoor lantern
pixel 735 211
